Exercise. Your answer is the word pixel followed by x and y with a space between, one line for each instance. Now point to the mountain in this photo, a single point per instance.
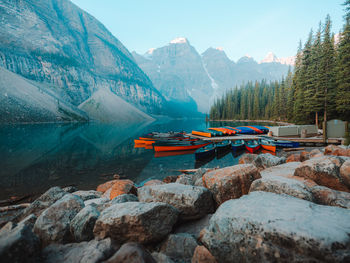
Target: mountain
pixel 181 74
pixel 271 58
pixel 69 57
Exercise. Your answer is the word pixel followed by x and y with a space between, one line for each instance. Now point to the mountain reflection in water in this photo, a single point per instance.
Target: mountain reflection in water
pixel 34 157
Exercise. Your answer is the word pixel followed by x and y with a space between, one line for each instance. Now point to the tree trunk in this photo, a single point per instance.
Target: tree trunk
pixel 325 118
pixel 316 119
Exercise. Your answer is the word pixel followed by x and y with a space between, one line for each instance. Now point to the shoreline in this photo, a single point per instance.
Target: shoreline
pixel 263 121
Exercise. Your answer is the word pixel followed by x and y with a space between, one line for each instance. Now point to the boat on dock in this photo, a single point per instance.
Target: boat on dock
pixel 203 133
pixel 179 146
pixel 238 145
pixel 224 145
pixel 283 143
pixel 205 152
pixel 252 146
pixel 268 145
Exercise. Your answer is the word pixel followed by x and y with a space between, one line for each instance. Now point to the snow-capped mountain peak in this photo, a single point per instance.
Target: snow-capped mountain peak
pixel 150 51
pixel 220 48
pixel 270 57
pixel 179 40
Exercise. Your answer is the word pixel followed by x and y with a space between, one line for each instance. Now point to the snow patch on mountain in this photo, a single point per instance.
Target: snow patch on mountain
pixel 179 40
pixel 272 58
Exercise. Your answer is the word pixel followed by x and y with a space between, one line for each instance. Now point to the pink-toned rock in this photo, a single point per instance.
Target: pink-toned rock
pixel 247 158
pixel 154 182
pixel 170 179
pixel 304 156
pixel 293 158
pixel 122 187
pixel 105 186
pixel 336 150
pixel 324 171
pixel 315 153
pixel 202 255
pixel 326 196
pixel 345 172
pixel 230 182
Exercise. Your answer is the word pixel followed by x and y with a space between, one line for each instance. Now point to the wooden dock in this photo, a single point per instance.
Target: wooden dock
pixel 302 141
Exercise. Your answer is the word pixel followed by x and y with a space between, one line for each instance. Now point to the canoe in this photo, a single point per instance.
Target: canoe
pixel 283 143
pixel 228 131
pixel 205 152
pixel 268 145
pixel 246 130
pixel 181 146
pixel 173 153
pixel 224 145
pixel 215 133
pixel 258 131
pixel 148 142
pixel 264 129
pixel 202 133
pixel 252 146
pixel 232 129
pixel 224 131
pixel 237 145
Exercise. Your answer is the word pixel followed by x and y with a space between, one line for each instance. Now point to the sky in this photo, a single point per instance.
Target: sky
pixel 240 27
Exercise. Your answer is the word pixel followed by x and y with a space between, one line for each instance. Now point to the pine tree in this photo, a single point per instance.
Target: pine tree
pixel 343 68
pixel 256 111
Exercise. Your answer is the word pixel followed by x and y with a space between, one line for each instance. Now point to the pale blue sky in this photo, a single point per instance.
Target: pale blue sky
pixel 252 27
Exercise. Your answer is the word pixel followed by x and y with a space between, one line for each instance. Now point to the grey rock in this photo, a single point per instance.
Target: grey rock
pixel 199 182
pixel 83 223
pixel 87 195
pixel 179 247
pixel 53 225
pixel 19 244
pixel 97 201
pixel 89 252
pixel 266 160
pixel 193 227
pixel 44 201
pixel 70 189
pixel 267 227
pixel 161 258
pixel 282 185
pixel 136 221
pixel 326 196
pixel 285 170
pixel 124 198
pixel 185 179
pixel 193 202
pixel 132 252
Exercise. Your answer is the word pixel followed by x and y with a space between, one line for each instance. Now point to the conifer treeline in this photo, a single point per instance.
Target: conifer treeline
pixel 318 89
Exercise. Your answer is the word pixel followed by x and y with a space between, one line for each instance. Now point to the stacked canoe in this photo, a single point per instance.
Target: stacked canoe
pixel 229 131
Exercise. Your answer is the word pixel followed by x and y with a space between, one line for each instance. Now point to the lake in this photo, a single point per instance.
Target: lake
pixel 34 157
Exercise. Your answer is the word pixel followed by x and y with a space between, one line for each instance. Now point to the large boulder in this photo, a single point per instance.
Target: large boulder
pixel 124 198
pixel 87 252
pixel 282 185
pixel 161 258
pixel 136 221
pixel 326 196
pixel 193 202
pixel 18 243
pixel 105 186
pixel 336 150
pixel 53 225
pixel 154 182
pixel 122 187
pixel 345 172
pixel 324 171
pixel 83 223
pixel 44 201
pixel 193 227
pixel 267 227
pixel 87 195
pixel 230 182
pixel 202 255
pixel 262 161
pixel 179 247
pixel 295 157
pixel 132 253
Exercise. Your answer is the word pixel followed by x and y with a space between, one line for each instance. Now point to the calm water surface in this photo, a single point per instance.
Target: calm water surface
pixel 34 157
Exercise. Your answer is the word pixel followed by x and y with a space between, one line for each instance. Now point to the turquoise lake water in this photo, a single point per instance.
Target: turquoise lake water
pixel 34 157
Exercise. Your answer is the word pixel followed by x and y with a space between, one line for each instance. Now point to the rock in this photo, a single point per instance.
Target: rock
pixel 87 195
pixel 7 227
pixel 136 221
pixel 19 244
pixel 44 201
pixel 70 189
pixel 304 156
pixel 185 179
pixel 324 171
pixel 53 225
pixel 179 247
pixel 83 223
pixel 161 258
pixel 107 194
pixel 326 196
pixel 88 252
pixel 202 255
pixel 315 153
pixel 29 221
pixel 132 252
pixel 170 179
pixel 230 182
pixel 193 202
pixel 193 227
pixel 247 158
pixel 266 160
pixel 154 182
pixel 199 182
pixel 97 201
pixel 124 198
pixel 122 187
pixel 267 227
pixel 345 172
pixel 282 185
pixel 105 186
pixel 336 150
pixel 293 158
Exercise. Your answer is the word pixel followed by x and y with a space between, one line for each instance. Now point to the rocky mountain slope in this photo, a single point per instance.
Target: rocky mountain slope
pixel 179 71
pixel 71 56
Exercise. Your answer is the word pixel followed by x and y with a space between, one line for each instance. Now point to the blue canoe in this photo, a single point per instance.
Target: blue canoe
pixel 262 128
pixel 284 144
pixel 205 152
pixel 252 146
pixel 224 145
pixel 246 130
pixel 237 145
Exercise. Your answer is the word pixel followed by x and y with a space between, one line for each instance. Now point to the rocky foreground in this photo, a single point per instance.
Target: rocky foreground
pixel 264 209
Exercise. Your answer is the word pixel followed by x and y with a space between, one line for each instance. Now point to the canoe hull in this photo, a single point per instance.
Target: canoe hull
pixel 204 154
pixel 167 148
pixel 271 148
pixel 202 133
pixel 251 148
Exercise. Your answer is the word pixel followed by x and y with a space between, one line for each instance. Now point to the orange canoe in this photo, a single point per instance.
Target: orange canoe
pixel 166 148
pixel 271 148
pixel 173 153
pixel 143 142
pixel 202 133
pixel 219 129
pixel 255 129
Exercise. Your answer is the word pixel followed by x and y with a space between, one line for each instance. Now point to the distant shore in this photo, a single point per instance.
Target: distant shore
pixel 266 121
